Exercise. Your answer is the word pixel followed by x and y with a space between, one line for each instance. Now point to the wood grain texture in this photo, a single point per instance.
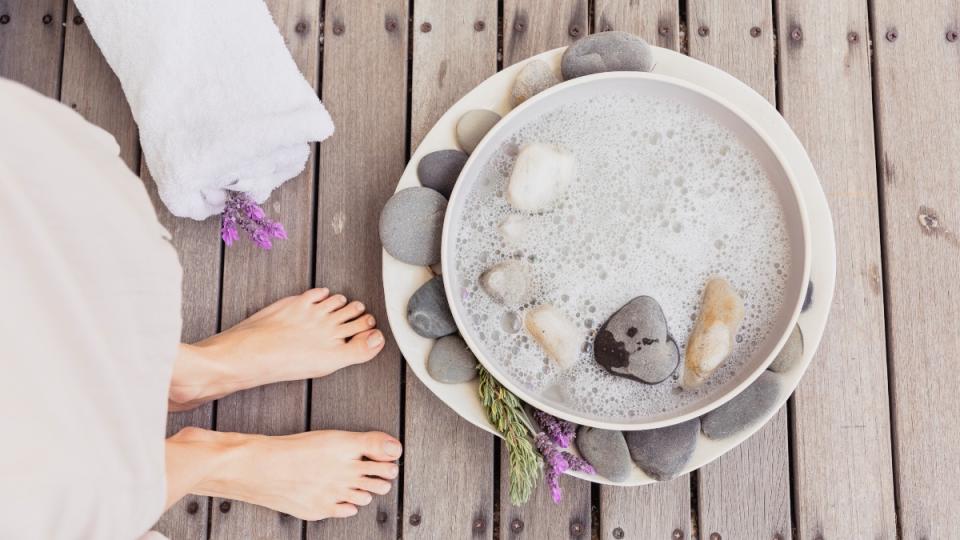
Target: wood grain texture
pixel 444 453
pixel 253 278
pixel 843 485
pixel 533 26
pixel 656 21
pixel 364 87
pixel 31 43
pixel 658 510
pixel 917 88
pixel 745 493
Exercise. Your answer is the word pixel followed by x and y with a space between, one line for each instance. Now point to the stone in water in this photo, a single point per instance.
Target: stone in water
pixel 606 450
pixel 712 338
pixel 555 333
pixel 606 51
pixel 439 170
pixel 451 361
pixel 663 452
pixel 635 343
pixel 514 228
pixel 472 126
pixel 411 225
pixel 535 77
pixel 428 311
pixel 508 283
pixel 744 410
pixel 541 174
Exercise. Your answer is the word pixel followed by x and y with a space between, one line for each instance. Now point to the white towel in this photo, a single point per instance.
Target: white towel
pixel 219 101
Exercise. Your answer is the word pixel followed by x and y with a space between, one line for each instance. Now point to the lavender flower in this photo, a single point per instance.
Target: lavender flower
pixel 560 431
pixel 241 212
pixel 556 462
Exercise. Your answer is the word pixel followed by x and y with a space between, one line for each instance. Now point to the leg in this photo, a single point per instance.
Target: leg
pixel 299 337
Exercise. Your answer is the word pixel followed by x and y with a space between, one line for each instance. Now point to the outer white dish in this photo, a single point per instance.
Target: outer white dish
pixel 402 280
pixel 642 85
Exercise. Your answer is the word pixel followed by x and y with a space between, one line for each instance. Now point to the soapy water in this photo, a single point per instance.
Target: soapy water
pixel 664 198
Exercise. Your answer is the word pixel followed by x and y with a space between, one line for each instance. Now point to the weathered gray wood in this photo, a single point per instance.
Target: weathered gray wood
pixel 31 42
pixel 365 66
pixel 917 88
pixel 656 21
pixel 531 27
pixel 745 493
pixel 843 485
pixel 659 510
pixel 253 278
pixel 444 453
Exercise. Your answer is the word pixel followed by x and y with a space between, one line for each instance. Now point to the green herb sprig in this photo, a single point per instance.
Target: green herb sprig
pixel 505 411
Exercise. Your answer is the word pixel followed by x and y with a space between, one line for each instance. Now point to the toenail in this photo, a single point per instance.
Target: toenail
pixel 394 471
pixel 371 321
pixel 392 448
pixel 375 340
pixel 360 307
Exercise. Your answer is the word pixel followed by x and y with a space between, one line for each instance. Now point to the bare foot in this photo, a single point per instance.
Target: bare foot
pixel 312 475
pixel 299 337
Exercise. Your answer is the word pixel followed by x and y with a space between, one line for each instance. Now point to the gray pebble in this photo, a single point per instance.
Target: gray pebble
pixel 790 354
pixel 606 51
pixel 634 343
pixel 606 450
pixel 744 410
pixel 411 225
pixel 663 452
pixel 808 299
pixel 439 170
pixel 535 77
pixel 451 361
pixel 428 311
pixel 472 126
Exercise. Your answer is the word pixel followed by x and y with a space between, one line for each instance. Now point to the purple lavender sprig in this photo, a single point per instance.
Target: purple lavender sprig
pixel 241 212
pixel 556 462
pixel 560 431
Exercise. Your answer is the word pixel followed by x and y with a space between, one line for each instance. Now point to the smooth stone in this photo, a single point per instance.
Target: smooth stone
pixel 663 452
pixel 450 361
pixel 411 225
pixel 606 450
pixel 439 170
pixel 428 311
pixel 808 298
pixel 472 126
pixel 714 332
pixel 606 51
pixel 555 333
pixel 514 229
pixel 790 354
pixel 540 175
pixel 535 77
pixel 508 283
pixel 635 343
pixel 746 409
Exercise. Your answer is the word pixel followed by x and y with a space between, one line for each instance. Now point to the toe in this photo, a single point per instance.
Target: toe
pixel 357 497
pixel 373 485
pixel 378 446
pixel 381 469
pixel 332 303
pixel 354 327
pixel 349 312
pixel 363 346
pixel 344 510
pixel 315 295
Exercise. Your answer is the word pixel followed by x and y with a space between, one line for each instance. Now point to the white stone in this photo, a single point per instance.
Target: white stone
pixel 556 334
pixel 713 335
pixel 514 228
pixel 508 283
pixel 541 174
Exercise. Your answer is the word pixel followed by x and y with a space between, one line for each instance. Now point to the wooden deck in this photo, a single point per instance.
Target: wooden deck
pixel 868 445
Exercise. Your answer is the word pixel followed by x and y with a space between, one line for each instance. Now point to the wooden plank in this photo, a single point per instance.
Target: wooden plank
pixel 253 278
pixel 663 509
pixel 843 484
pixel 531 27
pixel 458 52
pixel 365 57
pixel 31 43
pixel 917 88
pixel 657 21
pixel 745 493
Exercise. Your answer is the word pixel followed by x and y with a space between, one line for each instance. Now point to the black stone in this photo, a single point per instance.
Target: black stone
pixel 635 343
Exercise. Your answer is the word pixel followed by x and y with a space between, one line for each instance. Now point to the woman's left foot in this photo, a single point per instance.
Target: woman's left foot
pixel 299 337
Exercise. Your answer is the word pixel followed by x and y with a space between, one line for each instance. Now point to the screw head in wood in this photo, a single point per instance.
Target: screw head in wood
pixel 381 517
pixel 519 26
pixel 952 36
pixel 574 31
pixel 338 28
pixel 390 24
pixel 853 37
pixel 663 30
pixel 225 506
pixel 703 31
pixel 4 19
pixel 47 19
pixel 755 31
pixel 576 529
pixel 415 520
pixel 479 525
pixel 796 34
pixel 78 20
pixel 777 536
pixel 617 533
pixel 715 536
pixel 300 28
pixel 677 534
pixel 892 35
pixel 193 507
pixel 426 27
pixel 516 525
pixel 479 26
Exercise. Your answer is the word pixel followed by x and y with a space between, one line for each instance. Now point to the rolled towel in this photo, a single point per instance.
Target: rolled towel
pixel 219 101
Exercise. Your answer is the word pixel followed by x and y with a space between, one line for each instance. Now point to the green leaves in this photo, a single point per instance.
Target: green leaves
pixel 506 412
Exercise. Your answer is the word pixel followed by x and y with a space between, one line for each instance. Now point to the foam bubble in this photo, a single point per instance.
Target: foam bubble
pixel 657 207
